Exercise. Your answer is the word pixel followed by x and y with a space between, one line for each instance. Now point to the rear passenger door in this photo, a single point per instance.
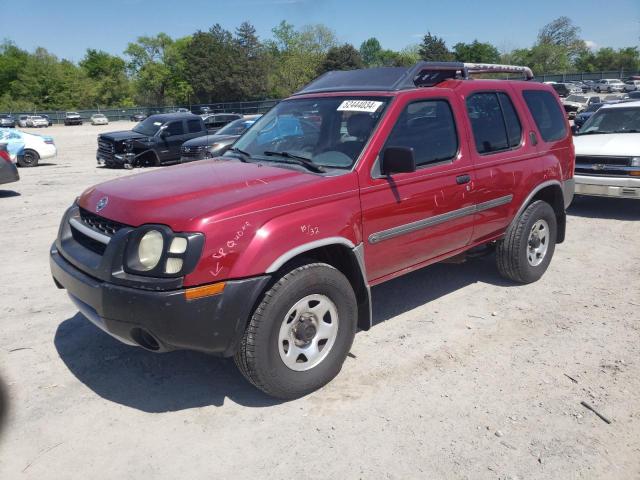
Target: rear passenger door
pixel 500 148
pixel 412 218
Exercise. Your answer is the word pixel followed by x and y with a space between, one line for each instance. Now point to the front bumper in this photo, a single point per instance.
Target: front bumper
pixel 603 186
pixel 161 320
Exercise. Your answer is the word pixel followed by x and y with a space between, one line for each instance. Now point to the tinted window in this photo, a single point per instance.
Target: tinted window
pixel 547 114
pixel 193 126
pixel 429 129
pixel 175 128
pixel 514 129
pixel 494 122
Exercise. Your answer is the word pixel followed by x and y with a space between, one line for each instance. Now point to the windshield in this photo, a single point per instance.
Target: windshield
pixel 329 131
pixel 613 120
pixel 148 127
pixel 72 113
pixel 237 127
pixel 577 99
pixel 98 115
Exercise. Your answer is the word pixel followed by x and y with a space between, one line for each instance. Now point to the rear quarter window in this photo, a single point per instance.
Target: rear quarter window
pixel 547 114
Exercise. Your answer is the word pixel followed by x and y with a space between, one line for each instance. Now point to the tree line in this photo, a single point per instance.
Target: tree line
pixel 219 65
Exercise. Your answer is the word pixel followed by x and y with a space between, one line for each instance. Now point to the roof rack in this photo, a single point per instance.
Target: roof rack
pixel 495 68
pixel 424 74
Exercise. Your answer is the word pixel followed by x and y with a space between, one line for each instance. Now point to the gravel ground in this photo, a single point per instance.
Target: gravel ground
pixel 464 376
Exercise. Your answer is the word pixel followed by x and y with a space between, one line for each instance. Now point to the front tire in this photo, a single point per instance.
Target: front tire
pixel 301 333
pixel 527 248
pixel 29 158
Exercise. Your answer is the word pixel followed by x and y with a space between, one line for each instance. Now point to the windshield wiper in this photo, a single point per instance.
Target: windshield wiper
pixel 594 132
pixel 631 130
pixel 244 156
pixel 300 160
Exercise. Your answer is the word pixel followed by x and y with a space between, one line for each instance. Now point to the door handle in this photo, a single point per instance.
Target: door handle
pixel 534 138
pixel 462 179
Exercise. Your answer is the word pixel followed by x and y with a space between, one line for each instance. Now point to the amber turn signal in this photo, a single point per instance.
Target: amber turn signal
pixel 635 173
pixel 204 291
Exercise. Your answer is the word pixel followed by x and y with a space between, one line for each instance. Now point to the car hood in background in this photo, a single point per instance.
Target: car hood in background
pixel 611 144
pixel 122 135
pixel 209 140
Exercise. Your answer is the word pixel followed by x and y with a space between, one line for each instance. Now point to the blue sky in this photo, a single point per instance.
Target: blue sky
pixel 68 27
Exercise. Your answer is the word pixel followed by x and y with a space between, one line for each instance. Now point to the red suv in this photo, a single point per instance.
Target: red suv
pixel 268 253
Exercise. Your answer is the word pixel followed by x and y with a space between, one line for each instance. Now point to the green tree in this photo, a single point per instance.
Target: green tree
pixel 108 72
pixel 370 52
pixel 12 60
pixel 251 68
pixel 476 52
pixel 344 57
pixel 296 55
pixel 434 49
pixel 561 32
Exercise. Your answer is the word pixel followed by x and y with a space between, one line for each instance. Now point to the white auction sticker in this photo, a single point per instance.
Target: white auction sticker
pixel 359 106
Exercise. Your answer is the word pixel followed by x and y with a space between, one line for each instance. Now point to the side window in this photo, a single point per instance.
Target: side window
pixel 494 122
pixel 193 126
pixel 175 128
pixel 547 114
pixel 427 127
pixel 511 120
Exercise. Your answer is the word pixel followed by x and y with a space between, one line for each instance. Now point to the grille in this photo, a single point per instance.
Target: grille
pixel 104 225
pixel 88 242
pixel 106 147
pixel 603 166
pixel 193 152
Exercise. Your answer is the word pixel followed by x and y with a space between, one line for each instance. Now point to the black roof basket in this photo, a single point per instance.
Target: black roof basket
pixel 424 74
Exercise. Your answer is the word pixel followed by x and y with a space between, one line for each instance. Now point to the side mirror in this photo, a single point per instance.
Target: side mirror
pixel 397 160
pixel 163 131
pixel 574 129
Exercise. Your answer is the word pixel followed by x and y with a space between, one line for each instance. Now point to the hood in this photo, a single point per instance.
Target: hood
pixel 613 144
pixel 121 135
pixel 187 197
pixel 209 140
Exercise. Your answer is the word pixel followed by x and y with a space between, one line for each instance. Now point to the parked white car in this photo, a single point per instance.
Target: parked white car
pixel 609 85
pixel 608 152
pixel 99 119
pixel 28 148
pixel 37 121
pixel 631 85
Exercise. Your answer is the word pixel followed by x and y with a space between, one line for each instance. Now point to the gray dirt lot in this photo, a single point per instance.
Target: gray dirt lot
pixel 463 376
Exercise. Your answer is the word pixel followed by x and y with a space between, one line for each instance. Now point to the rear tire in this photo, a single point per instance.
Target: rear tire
pixel 527 248
pixel 29 158
pixel 300 334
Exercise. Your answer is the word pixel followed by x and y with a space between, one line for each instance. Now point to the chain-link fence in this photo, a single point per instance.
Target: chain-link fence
pixel 115 114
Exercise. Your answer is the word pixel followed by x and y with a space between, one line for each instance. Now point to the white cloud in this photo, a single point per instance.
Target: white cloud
pixel 591 44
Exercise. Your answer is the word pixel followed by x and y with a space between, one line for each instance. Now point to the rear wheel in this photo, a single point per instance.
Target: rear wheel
pixel 300 334
pixel 29 158
pixel 526 251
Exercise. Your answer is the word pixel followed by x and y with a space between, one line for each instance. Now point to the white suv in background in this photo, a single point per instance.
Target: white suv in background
pixel 631 85
pixel 608 152
pixel 609 85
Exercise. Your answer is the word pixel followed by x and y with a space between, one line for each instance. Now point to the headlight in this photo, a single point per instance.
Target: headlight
pixel 156 251
pixel 635 162
pixel 150 250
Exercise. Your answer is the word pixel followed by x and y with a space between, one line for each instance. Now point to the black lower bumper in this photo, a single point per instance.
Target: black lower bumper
pixel 8 172
pixel 161 320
